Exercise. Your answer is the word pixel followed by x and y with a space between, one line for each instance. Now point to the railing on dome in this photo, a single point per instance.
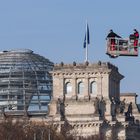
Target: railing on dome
pixel 17 51
pixel 121 47
pixel 21 51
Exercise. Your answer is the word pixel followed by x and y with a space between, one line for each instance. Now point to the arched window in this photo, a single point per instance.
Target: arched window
pixel 68 88
pixel 93 87
pixel 80 87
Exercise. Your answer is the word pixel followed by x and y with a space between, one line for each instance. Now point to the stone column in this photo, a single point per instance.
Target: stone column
pixel 58 87
pixel 74 88
pixel 105 85
pixel 100 86
pixel 86 89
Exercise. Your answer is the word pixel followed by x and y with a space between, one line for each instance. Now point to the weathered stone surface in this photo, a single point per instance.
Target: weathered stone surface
pixel 89 108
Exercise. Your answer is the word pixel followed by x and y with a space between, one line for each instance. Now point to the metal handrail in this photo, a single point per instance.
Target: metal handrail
pixel 119 42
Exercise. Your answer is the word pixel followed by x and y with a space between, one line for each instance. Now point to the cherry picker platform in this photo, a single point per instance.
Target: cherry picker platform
pixel 121 47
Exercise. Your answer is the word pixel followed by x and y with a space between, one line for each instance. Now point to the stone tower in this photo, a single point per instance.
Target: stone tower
pixel 87 101
pixel 78 87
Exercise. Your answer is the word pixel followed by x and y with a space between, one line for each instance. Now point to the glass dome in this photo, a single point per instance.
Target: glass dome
pixel 25 82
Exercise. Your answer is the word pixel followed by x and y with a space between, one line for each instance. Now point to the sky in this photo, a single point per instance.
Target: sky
pixel 56 29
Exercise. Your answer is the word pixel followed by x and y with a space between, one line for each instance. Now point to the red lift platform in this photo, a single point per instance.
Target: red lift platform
pixel 121 47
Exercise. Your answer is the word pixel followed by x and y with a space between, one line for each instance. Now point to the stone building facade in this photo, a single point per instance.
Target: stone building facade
pixel 87 98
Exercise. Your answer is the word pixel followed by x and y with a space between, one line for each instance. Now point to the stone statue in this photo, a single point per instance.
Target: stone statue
pixel 102 107
pixel 61 108
pixel 113 107
pixel 130 109
pixel 96 105
pixel 58 106
pixel 122 106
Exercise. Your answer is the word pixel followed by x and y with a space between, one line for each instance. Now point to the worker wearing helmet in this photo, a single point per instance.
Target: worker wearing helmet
pixel 111 36
pixel 136 37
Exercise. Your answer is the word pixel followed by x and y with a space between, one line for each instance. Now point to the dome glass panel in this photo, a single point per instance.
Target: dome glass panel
pixel 25 81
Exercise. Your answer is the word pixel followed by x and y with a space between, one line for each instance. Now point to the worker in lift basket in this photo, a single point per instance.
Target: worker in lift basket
pixel 111 36
pixel 136 37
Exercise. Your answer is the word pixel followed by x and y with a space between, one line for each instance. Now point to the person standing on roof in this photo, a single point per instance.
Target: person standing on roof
pixel 111 36
pixel 136 37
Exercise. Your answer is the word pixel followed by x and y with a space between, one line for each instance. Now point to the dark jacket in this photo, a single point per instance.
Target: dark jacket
pixel 112 34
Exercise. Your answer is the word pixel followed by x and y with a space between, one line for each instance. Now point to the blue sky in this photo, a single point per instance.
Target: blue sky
pixel 56 28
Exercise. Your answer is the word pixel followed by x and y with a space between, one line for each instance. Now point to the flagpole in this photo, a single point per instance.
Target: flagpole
pixel 86 50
